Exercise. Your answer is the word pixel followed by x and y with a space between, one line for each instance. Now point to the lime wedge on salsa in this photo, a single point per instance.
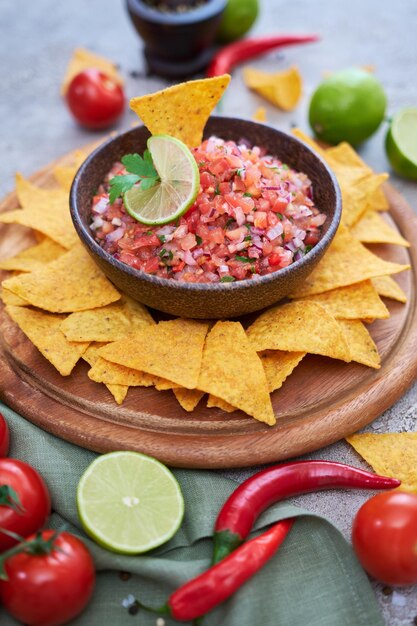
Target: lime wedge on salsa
pixel 401 143
pixel 178 186
pixel 129 502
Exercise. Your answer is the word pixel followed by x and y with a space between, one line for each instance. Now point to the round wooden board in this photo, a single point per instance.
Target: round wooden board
pixel 321 402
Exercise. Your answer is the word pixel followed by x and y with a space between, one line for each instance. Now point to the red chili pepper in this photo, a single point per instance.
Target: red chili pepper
pixel 253 496
pixel 225 60
pixel 204 592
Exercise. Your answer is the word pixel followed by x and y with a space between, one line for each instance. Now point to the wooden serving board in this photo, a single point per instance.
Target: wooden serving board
pixel 321 402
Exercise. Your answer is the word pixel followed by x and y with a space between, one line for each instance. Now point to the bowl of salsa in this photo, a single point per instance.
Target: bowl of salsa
pixel 266 210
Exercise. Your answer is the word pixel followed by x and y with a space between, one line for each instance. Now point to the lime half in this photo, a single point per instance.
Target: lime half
pixel 129 502
pixel 177 190
pixel 401 143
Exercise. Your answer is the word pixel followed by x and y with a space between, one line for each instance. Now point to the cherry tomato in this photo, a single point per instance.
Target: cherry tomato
pixel 4 437
pixel 384 536
pixel 94 99
pixel 49 588
pixel 24 500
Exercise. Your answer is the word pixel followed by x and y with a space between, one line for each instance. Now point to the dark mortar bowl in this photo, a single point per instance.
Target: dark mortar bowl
pixel 208 300
pixel 177 43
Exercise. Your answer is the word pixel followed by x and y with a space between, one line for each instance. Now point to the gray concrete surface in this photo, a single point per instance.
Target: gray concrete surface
pixel 37 39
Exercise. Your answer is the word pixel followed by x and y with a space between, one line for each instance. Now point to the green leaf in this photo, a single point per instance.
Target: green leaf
pixel 227 279
pixel 307 249
pixel 244 259
pixel 120 184
pixel 247 194
pixel 142 167
pixel 147 183
pixel 199 240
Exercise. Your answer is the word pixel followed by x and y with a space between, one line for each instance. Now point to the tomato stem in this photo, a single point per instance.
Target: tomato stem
pixel 10 498
pixel 37 547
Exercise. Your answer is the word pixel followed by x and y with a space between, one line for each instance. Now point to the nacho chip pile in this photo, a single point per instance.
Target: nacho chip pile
pixel 70 311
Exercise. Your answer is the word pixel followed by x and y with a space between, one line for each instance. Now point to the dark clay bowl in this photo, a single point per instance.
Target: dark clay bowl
pixel 208 300
pixel 177 44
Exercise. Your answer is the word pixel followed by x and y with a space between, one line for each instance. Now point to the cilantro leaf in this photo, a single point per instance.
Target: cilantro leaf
pixel 120 184
pixel 141 166
pixel 141 169
pixel 227 279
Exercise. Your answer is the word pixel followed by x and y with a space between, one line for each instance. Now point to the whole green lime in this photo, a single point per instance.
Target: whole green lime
pixel 238 17
pixel 347 106
pixel 401 143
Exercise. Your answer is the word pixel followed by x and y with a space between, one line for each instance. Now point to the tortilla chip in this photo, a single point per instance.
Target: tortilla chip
pixel 137 313
pixel 65 174
pixel 44 210
pixel 218 403
pixel 182 110
pixel 188 398
pixel 231 370
pixel 107 323
pixel 356 196
pixel 359 301
pixel 44 332
pixel 166 385
pixel 119 392
pixel 297 132
pixel 283 89
pixel 109 373
pixel 8 297
pixel 361 345
pixel 172 350
pixel 390 454
pixel 344 154
pixel 34 257
pixel 371 228
pixel 388 288
pixel 346 262
pixel 83 59
pixel 299 327
pixel 378 201
pixel 73 282
pixel 279 365
pixel 259 115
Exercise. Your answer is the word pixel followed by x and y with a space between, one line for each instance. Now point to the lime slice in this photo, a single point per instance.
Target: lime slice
pixel 180 182
pixel 401 143
pixel 129 502
pixel 347 106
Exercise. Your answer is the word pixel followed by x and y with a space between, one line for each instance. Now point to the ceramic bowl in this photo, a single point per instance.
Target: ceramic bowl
pixel 177 44
pixel 208 300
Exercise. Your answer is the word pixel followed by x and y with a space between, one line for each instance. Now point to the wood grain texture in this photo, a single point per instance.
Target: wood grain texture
pixel 322 401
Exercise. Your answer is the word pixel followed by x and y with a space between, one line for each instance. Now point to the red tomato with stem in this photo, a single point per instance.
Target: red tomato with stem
pixel 24 501
pixel 4 437
pixel 50 582
pixel 95 100
pixel 384 536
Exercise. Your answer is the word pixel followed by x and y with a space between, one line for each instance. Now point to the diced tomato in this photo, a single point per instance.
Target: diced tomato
pixel 279 205
pixel 274 259
pixel 260 219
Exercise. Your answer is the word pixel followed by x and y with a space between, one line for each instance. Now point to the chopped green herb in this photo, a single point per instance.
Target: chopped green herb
pixel 201 163
pixel 165 255
pixel 229 221
pixel 161 238
pixel 244 259
pixel 307 249
pixel 141 170
pixel 279 216
pixel 227 279
pixel 199 240
pixel 240 171
pixel 217 190
pixel 247 238
pixel 247 194
pixel 285 166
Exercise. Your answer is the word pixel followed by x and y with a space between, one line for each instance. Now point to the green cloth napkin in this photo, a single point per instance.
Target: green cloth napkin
pixel 314 579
